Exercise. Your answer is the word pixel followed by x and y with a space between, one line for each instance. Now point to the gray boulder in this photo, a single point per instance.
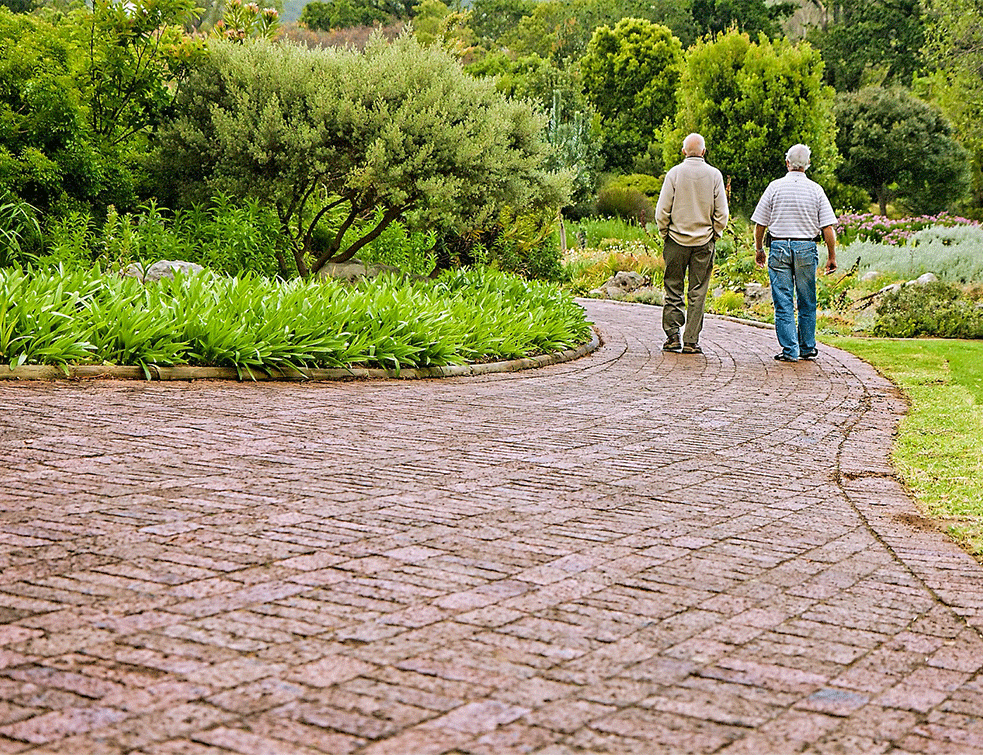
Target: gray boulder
pixel 161 269
pixel 621 284
pixel 755 292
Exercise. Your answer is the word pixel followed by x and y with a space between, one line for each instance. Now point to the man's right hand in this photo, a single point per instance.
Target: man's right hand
pixel 759 257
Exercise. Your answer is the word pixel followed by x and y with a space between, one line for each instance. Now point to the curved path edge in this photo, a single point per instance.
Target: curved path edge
pixel 183 372
pixel 872 485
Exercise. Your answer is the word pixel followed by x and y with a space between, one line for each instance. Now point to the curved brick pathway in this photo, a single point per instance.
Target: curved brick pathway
pixel 630 553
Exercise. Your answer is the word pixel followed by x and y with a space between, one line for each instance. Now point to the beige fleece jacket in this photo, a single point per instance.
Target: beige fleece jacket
pixel 692 207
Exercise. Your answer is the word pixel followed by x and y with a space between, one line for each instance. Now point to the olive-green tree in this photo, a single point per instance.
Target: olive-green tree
pixel 752 101
pixel 378 134
pixel 630 76
pixel 899 147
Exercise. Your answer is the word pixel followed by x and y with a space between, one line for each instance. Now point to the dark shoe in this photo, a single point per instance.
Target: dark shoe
pixel 783 358
pixel 671 345
pixel 692 348
pixel 809 355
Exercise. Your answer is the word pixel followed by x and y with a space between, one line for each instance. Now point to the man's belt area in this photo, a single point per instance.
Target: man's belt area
pixel 814 238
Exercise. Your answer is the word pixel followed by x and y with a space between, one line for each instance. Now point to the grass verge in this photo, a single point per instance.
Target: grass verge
pixel 939 450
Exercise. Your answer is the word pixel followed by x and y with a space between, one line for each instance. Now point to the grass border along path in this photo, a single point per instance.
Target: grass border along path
pixel 939 449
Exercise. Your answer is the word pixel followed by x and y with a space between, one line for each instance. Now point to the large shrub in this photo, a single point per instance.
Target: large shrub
pixel 397 128
pixel 630 75
pixel 900 148
pixel 752 101
pixel 79 95
pixel 937 309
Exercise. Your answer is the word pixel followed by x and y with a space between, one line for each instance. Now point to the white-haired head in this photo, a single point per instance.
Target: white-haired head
pixel 694 145
pixel 797 157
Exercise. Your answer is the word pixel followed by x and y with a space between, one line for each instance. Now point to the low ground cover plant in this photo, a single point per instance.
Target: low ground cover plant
pixel 936 309
pixel 939 450
pixel 952 253
pixel 253 323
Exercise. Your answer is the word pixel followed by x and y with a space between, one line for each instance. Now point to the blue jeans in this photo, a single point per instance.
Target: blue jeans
pixel 792 270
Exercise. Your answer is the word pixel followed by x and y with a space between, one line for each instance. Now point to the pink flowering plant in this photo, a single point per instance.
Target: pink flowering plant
pixel 895 232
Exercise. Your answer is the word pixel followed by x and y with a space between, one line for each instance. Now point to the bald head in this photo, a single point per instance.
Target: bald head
pixel 694 145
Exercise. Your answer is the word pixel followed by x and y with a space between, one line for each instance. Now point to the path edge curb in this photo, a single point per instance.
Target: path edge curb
pixel 187 373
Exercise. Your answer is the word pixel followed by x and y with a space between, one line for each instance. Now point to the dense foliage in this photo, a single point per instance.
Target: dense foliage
pixel 899 147
pixel 258 324
pixel 631 74
pixel 80 94
pixel 752 101
pixel 937 309
pixel 397 128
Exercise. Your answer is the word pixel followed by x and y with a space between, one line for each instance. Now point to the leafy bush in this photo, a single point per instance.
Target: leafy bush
pixel 516 242
pixel 953 253
pixel 226 237
pixel 251 323
pixel 648 185
pixel 937 309
pixel 400 127
pixel 728 303
pixel 626 203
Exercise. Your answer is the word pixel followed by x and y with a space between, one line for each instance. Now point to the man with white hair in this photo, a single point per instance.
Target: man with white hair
pixel 691 215
pixel 796 213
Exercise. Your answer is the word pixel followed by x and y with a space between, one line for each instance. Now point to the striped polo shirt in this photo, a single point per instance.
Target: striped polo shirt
pixel 794 207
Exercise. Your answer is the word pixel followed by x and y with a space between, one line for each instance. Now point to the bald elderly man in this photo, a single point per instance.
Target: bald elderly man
pixel 691 215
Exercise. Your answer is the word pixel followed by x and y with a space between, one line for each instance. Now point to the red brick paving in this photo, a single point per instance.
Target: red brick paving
pixel 635 552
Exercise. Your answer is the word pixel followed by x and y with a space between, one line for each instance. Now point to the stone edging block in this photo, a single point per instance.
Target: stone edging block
pixel 115 372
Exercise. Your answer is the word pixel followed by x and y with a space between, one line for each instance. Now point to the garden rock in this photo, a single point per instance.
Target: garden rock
pixel 161 269
pixel 755 292
pixel 870 275
pixel 621 284
pixel 354 269
pixel 924 280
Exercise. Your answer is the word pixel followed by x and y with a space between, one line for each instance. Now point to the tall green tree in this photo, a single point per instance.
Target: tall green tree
pixel 871 42
pixel 900 148
pixel 955 46
pixel 751 16
pixel 752 101
pixel 492 19
pixel 399 128
pixel 340 14
pixel 630 75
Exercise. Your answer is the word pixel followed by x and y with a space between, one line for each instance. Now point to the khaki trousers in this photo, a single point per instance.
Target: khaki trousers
pixel 697 261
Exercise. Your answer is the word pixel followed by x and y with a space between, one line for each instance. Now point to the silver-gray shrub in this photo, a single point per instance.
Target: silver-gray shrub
pixel 397 128
pixel 954 254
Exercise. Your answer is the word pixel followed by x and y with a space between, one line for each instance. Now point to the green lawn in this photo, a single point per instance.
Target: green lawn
pixel 939 450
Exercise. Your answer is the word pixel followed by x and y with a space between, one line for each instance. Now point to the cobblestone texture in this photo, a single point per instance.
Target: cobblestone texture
pixel 635 552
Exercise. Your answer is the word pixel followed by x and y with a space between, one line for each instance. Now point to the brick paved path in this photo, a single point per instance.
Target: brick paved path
pixel 630 553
